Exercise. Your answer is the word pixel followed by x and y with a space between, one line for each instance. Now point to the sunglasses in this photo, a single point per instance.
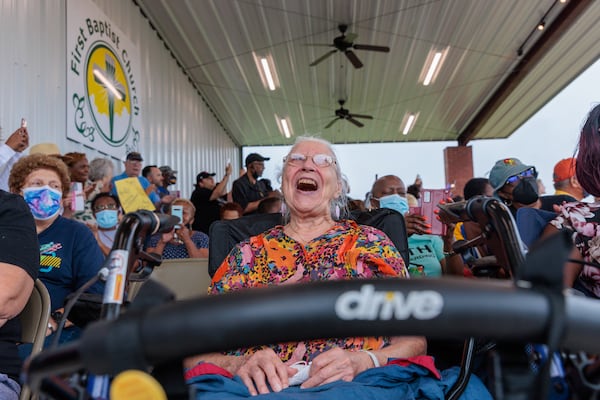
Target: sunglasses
pixel 320 160
pixel 525 174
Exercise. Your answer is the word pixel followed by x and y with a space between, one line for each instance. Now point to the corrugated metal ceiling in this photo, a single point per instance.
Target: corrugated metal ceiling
pixel 216 42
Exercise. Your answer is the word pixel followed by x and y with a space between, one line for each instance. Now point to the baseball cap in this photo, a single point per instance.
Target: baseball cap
pixel 134 156
pixel 564 169
pixel 504 169
pixel 255 157
pixel 165 169
pixel 204 175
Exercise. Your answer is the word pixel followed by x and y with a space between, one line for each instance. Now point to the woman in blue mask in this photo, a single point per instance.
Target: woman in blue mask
pixel 107 212
pixel 69 254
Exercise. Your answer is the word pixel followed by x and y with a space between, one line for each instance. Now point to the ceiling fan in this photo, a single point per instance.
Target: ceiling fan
pixel 345 44
pixel 343 113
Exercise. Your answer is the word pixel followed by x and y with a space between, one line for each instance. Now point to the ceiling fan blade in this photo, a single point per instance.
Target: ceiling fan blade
pixel 371 47
pixel 353 59
pixel 322 58
pixel 361 116
pixel 318 44
pixel 355 122
pixel 331 123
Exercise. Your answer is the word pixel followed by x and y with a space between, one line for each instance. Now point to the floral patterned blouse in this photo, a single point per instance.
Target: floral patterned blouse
pixel 346 251
pixel 583 220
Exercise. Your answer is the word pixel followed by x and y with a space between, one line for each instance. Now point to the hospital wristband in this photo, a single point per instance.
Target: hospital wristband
pixel 373 357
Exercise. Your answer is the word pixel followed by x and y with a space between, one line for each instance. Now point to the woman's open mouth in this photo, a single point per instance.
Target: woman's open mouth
pixel 307 185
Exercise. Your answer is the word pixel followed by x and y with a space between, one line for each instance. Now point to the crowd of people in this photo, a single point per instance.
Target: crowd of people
pixel 68 209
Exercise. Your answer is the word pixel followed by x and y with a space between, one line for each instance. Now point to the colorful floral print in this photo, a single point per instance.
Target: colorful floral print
pixel 583 220
pixel 346 251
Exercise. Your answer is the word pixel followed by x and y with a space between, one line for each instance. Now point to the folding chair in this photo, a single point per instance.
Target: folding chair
pixel 34 323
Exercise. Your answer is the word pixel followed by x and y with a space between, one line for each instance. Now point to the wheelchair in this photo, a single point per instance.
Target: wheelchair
pixel 155 338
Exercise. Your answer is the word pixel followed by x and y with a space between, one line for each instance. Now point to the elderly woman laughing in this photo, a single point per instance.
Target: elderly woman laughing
pixel 313 245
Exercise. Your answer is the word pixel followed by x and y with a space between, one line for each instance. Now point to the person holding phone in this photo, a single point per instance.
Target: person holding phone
pixel 208 197
pixel 182 241
pixel 430 255
pixel 12 151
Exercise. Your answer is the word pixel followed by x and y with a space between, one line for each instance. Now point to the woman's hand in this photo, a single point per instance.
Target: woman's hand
pixel 89 189
pixel 416 223
pixel 184 233
pixel 18 140
pixel 262 368
pixel 336 364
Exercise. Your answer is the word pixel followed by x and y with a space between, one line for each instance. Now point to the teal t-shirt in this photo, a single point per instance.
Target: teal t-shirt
pixel 426 252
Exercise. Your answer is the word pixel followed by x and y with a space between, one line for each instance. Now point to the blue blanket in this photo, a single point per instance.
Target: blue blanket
pixel 388 382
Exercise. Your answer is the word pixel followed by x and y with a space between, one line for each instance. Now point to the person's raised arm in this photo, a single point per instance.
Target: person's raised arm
pixel 18 140
pixel 220 189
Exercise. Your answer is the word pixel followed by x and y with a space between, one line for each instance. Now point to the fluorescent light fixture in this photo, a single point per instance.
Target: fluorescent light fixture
pixel 432 66
pixel 107 84
pixel 408 122
pixel 266 70
pixel 265 66
pixel 285 127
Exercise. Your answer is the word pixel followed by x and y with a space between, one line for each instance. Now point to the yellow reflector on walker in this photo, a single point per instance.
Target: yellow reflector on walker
pixel 136 385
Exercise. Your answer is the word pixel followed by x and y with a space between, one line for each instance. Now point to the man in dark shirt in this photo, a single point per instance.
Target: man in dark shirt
pixel 206 199
pixel 19 264
pixel 248 190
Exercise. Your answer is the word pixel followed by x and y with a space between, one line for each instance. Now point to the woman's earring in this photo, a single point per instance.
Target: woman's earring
pixel 283 208
pixel 336 212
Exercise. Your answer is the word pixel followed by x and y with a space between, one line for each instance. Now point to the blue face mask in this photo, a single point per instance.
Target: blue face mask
pixel 107 219
pixel 394 202
pixel 44 202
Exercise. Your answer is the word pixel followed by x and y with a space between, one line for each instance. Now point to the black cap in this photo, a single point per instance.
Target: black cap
pixel 255 157
pixel 203 175
pixel 134 156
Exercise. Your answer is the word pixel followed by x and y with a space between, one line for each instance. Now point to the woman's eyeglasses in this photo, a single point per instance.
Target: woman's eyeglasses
pixel 525 174
pixel 105 207
pixel 320 160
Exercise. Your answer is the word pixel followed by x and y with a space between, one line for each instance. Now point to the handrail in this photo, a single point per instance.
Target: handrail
pixel 440 308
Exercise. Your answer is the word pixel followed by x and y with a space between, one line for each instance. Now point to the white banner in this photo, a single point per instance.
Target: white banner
pixel 103 101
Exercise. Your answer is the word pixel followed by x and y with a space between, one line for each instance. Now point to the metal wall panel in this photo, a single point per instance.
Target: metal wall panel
pixel 178 128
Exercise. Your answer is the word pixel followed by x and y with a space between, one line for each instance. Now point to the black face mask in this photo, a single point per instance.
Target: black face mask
pixel 526 191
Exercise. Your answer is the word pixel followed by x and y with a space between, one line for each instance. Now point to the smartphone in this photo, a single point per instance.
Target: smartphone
pixel 77 197
pixel 177 211
pixel 430 198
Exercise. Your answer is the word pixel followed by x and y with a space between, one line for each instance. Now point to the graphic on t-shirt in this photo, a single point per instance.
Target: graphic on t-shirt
pixel 48 258
pixel 416 270
pixel 422 260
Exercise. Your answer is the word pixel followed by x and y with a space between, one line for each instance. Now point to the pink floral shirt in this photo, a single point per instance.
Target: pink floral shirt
pixel 583 220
